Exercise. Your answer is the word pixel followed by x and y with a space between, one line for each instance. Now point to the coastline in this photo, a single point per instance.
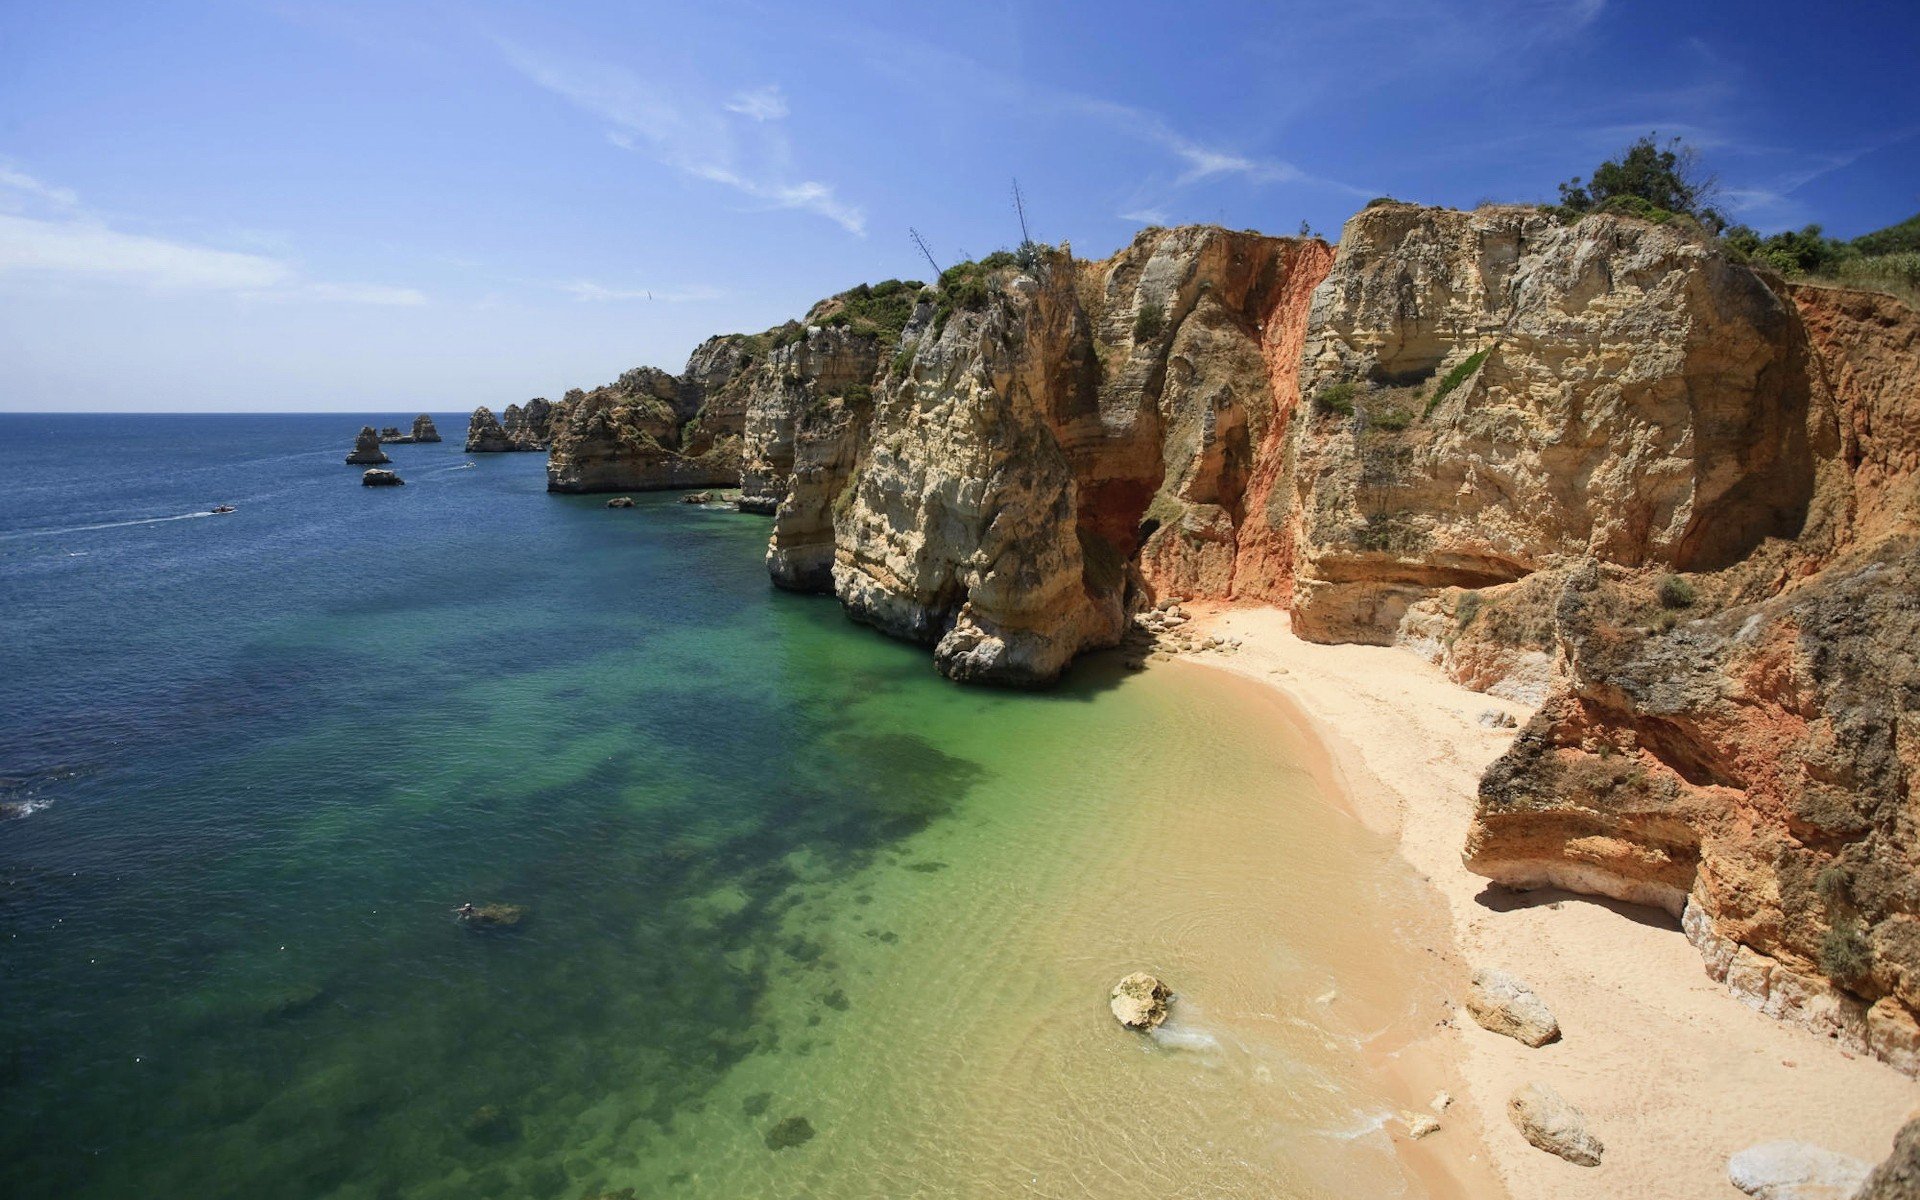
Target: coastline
pixel 1674 1073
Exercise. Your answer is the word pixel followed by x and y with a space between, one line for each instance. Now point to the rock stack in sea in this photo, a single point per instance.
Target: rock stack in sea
pixel 423 430
pixel 517 428
pixel 375 477
pixel 366 449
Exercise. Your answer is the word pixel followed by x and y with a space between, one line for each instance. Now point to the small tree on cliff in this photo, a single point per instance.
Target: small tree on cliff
pixel 1651 180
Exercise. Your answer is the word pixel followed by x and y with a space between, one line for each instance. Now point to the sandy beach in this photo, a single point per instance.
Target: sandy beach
pixel 1674 1074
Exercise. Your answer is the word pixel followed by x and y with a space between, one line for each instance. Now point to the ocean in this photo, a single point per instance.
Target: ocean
pixel 800 918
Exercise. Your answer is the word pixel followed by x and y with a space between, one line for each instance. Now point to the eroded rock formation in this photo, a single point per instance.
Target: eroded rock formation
pixel 423 430
pixel 517 428
pixel 366 449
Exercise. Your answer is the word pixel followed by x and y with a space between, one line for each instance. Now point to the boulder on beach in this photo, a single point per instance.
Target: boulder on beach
pixel 1140 1001
pixel 366 449
pixel 375 477
pixel 1789 1170
pixel 1505 1005
pixel 1546 1120
pixel 620 502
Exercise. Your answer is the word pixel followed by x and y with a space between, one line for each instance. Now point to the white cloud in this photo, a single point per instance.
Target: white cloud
pixel 700 141
pixel 79 247
pixel 1148 216
pixel 582 289
pixel 66 241
pixel 762 104
pixel 25 186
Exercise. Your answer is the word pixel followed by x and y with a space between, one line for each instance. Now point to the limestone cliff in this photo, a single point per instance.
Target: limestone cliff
pixel 1494 390
pixel 1034 420
pixel 1738 747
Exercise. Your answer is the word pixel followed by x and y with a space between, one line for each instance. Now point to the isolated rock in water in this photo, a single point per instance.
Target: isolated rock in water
pixel 1898 1175
pixel 391 433
pixel 375 477
pixel 1786 1170
pixel 1505 1005
pixel 366 449
pixel 1553 1125
pixel 484 433
pixel 697 498
pixel 1140 1001
pixel 789 1133
pixel 491 916
pixel 620 502
pixel 423 430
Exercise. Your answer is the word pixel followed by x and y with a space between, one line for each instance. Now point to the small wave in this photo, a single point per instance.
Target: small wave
pixel 16 809
pixel 1368 1125
pixel 1184 1039
pixel 27 533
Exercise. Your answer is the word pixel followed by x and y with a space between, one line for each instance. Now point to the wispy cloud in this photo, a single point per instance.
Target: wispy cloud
pixel 762 104
pixel 700 140
pixel 1148 216
pixel 63 240
pixel 583 289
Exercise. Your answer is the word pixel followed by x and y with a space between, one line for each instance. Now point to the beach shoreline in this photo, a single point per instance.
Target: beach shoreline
pixel 1673 1073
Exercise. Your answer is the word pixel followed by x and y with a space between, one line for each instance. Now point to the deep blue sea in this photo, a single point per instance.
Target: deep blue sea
pixel 252 762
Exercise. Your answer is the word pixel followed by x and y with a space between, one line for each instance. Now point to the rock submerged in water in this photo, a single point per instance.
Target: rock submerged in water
pixel 1507 1006
pixel 375 477
pixel 1546 1120
pixel 1788 1170
pixel 697 498
pixel 366 449
pixel 491 916
pixel 620 502
pixel 1140 1001
pixel 789 1133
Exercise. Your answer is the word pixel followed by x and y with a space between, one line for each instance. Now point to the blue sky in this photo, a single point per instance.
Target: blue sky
pixel 246 205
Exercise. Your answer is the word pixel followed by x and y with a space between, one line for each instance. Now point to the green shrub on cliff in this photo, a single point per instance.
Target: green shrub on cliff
pixel 1149 323
pixel 874 310
pixel 1676 592
pixel 1844 953
pixel 1650 180
pixel 1454 378
pixel 1336 399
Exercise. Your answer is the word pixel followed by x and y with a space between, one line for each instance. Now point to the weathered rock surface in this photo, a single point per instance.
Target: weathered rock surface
pixel 620 502
pixel 1140 1001
pixel 650 431
pixel 517 429
pixel 1898 1175
pixel 1786 1170
pixel 375 477
pixel 423 430
pixel 1551 1124
pixel 1503 1004
pixel 1492 390
pixel 366 449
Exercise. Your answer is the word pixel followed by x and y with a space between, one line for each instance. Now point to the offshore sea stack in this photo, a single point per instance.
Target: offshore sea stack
pixel 366 449
pixel 423 430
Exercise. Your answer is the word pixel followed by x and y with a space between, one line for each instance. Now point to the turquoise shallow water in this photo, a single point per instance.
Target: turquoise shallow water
pixel 263 755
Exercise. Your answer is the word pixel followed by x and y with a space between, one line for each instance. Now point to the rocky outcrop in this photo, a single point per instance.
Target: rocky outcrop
pixel 1506 1006
pixel 374 477
pixel 423 430
pixel 1735 747
pixel 516 429
pixel 1898 1175
pixel 649 430
pixel 1551 1124
pixel 1140 1001
pixel 366 449
pixel 1491 391
pixel 995 499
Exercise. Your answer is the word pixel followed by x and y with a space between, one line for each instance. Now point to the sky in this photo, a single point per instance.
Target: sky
pixel 247 205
